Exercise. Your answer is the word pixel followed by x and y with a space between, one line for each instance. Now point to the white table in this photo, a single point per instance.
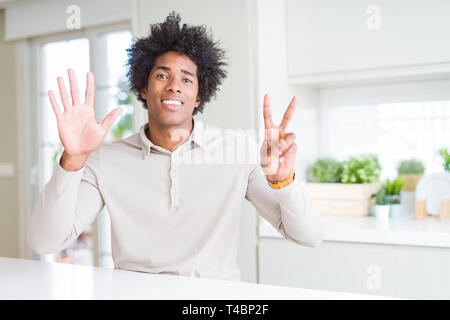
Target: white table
pixel 28 279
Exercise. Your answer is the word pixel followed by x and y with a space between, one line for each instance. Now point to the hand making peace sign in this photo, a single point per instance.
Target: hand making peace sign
pixel 278 150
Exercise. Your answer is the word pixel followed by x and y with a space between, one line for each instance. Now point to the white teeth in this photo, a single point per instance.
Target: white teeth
pixel 172 102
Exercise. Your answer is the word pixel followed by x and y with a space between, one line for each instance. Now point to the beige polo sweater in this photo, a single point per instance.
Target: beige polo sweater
pixel 171 212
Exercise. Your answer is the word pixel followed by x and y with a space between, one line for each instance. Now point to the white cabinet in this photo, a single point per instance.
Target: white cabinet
pixel 422 272
pixel 341 40
pixel 348 267
pixel 387 270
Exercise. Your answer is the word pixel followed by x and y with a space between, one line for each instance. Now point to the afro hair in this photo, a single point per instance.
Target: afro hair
pixel 193 41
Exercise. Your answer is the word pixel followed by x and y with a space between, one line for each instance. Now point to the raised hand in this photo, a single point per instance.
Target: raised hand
pixel 278 150
pixel 80 133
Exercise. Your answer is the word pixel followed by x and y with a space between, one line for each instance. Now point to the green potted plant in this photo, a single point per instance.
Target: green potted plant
pixel 363 169
pixel 344 188
pixel 326 170
pixel 410 171
pixel 393 189
pixel 446 158
pixel 382 207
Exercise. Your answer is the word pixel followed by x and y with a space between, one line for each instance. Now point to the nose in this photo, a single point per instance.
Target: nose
pixel 173 85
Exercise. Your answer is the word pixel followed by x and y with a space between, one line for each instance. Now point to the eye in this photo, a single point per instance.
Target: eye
pixel 160 75
pixel 187 80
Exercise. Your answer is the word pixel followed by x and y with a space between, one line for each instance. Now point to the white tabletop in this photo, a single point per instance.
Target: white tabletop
pixel 28 279
pixel 405 230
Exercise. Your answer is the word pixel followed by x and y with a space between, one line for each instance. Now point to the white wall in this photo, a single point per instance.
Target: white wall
pixel 273 79
pixel 36 18
pixel 9 199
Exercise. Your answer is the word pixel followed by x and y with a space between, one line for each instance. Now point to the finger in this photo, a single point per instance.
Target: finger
pixel 110 118
pixel 74 88
pixel 288 114
pixel 267 114
pixel 63 93
pixel 291 151
pixel 90 88
pixel 54 103
pixel 287 141
pixel 265 148
pixel 272 137
pixel 267 135
pixel 288 157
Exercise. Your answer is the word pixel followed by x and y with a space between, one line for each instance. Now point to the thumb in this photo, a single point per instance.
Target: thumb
pixel 110 118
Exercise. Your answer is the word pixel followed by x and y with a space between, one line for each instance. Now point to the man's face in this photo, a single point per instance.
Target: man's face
pixel 172 90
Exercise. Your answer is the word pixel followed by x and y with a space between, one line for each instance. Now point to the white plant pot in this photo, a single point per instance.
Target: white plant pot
pixel 382 212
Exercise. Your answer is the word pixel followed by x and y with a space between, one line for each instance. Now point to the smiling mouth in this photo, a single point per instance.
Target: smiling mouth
pixel 169 102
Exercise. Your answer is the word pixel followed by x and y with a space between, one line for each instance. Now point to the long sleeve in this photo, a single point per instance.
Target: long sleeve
pixel 68 204
pixel 288 209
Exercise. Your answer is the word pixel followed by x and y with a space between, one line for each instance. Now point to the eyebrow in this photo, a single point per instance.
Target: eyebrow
pixel 168 69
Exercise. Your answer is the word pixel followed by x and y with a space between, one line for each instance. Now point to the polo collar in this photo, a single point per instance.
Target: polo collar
pixel 197 136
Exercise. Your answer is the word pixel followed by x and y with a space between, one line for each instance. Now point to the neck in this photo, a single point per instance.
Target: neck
pixel 168 137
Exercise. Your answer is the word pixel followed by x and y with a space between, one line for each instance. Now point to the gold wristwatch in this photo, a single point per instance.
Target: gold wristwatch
pixel 283 183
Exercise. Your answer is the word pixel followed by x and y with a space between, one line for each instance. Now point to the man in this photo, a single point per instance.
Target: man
pixel 169 215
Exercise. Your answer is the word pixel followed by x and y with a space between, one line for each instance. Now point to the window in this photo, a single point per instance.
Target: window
pixel 111 82
pixel 393 131
pixel 55 58
pixel 103 51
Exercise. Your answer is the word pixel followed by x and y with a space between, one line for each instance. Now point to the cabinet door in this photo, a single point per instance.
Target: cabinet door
pixel 355 35
pixel 422 272
pixel 349 267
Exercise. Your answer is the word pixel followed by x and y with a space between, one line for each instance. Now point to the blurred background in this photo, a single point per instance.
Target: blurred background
pixel 373 78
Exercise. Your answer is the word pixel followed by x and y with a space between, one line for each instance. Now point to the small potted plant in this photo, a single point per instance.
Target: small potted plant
pixel 393 189
pixel 446 157
pixel 364 169
pixel 382 207
pixel 410 171
pixel 344 189
pixel 326 170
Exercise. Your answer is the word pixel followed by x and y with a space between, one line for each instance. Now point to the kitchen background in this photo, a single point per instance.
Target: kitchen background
pixel 373 79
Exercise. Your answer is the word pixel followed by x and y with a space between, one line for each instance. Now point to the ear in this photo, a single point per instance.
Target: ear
pixel 197 102
pixel 144 93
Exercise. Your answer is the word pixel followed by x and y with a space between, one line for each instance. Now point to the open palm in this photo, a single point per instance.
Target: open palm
pixel 79 131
